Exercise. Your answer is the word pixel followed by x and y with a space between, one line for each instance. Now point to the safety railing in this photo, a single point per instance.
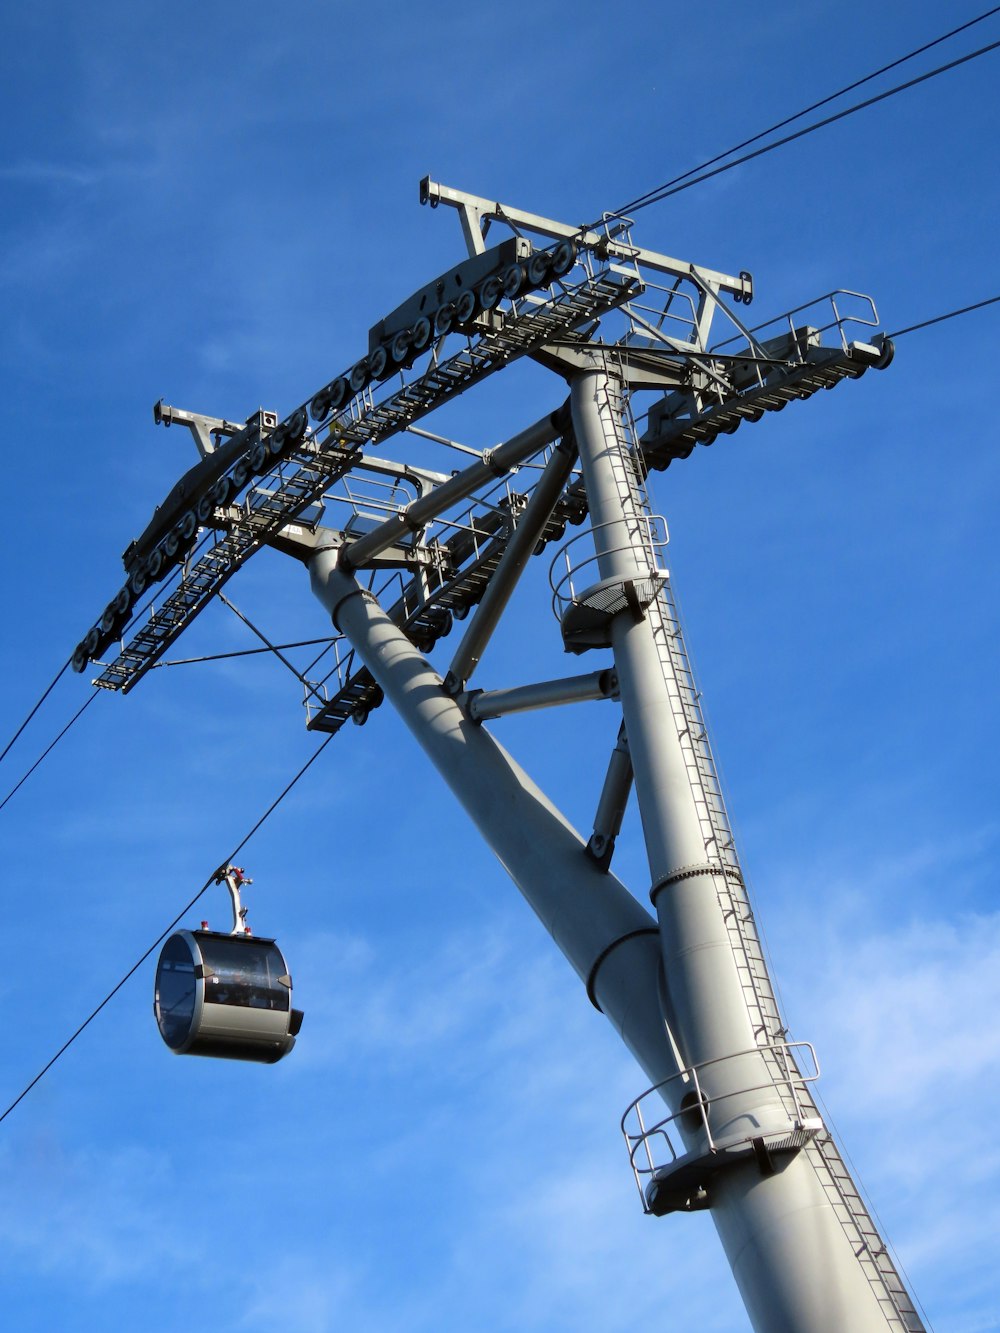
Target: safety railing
pixel 338 665
pixel 372 497
pixel 565 577
pixel 660 323
pixel 821 315
pixel 655 1145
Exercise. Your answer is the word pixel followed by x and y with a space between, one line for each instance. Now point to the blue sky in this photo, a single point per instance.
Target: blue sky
pixel 212 204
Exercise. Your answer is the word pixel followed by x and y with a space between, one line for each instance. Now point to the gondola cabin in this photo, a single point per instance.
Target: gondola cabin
pixel 225 995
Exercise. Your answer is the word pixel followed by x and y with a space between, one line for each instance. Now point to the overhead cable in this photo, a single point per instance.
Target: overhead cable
pixel 58 676
pixel 239 652
pixel 160 938
pixel 939 319
pixel 45 694
pixel 688 179
pixel 50 747
pixel 824 101
pixel 260 635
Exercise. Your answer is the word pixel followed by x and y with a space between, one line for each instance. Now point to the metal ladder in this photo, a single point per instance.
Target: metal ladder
pixel 720 850
pixel 717 835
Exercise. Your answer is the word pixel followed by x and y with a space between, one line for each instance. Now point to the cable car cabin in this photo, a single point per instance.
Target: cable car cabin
pixel 225 995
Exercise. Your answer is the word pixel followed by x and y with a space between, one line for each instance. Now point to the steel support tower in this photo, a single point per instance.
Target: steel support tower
pixel 729 1123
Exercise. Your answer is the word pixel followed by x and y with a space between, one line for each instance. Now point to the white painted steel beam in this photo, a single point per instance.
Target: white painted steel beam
pixel 485 704
pixel 518 551
pixel 495 463
pixel 475 206
pixel 607 936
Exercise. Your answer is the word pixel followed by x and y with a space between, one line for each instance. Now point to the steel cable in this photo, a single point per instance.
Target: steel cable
pixel 58 677
pixel 683 181
pixel 675 187
pixel 939 319
pixel 49 748
pixel 824 101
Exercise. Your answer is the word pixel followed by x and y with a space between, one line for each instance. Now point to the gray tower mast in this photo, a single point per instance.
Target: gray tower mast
pixel 397 552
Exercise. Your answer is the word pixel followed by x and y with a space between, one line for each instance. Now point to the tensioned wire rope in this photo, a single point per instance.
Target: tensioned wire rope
pixel 187 661
pixel 655 195
pixel 160 938
pixel 667 190
pixel 44 695
pixel 136 615
pixel 940 319
pixel 48 749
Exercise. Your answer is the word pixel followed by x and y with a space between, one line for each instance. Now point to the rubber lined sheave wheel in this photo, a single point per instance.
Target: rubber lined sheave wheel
pixel 359 376
pixel 421 334
pixel 538 268
pixel 340 391
pixel 444 320
pixel 399 347
pixel 379 363
pixel 491 293
pixel 563 258
pixel 513 281
pixel 260 460
pixel 466 307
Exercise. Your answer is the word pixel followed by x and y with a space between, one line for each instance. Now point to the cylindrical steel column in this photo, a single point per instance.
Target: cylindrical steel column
pixel 608 937
pixel 787 1248
pixel 703 985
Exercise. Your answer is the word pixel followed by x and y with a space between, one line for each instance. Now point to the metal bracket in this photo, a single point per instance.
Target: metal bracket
pixel 475 211
pixel 637 367
pixel 207 431
pixel 302 541
pixel 612 803
pixel 233 877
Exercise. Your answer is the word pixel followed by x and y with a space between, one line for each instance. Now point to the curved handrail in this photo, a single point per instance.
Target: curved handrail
pixel 793 1080
pixel 654 545
pixel 838 322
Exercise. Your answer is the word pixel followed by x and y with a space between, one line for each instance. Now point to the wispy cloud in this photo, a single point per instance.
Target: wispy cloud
pixel 49 252
pixel 484 1166
pixel 902 1000
pixel 51 1192
pixel 296 1293
pixel 904 1020
pixel 517 1156
pixel 50 173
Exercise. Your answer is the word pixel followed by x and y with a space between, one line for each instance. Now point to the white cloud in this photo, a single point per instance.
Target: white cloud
pixel 49 173
pixel 904 1016
pixel 510 1151
pixel 299 1295
pixel 916 1009
pixel 512 1133
pixel 87 1216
